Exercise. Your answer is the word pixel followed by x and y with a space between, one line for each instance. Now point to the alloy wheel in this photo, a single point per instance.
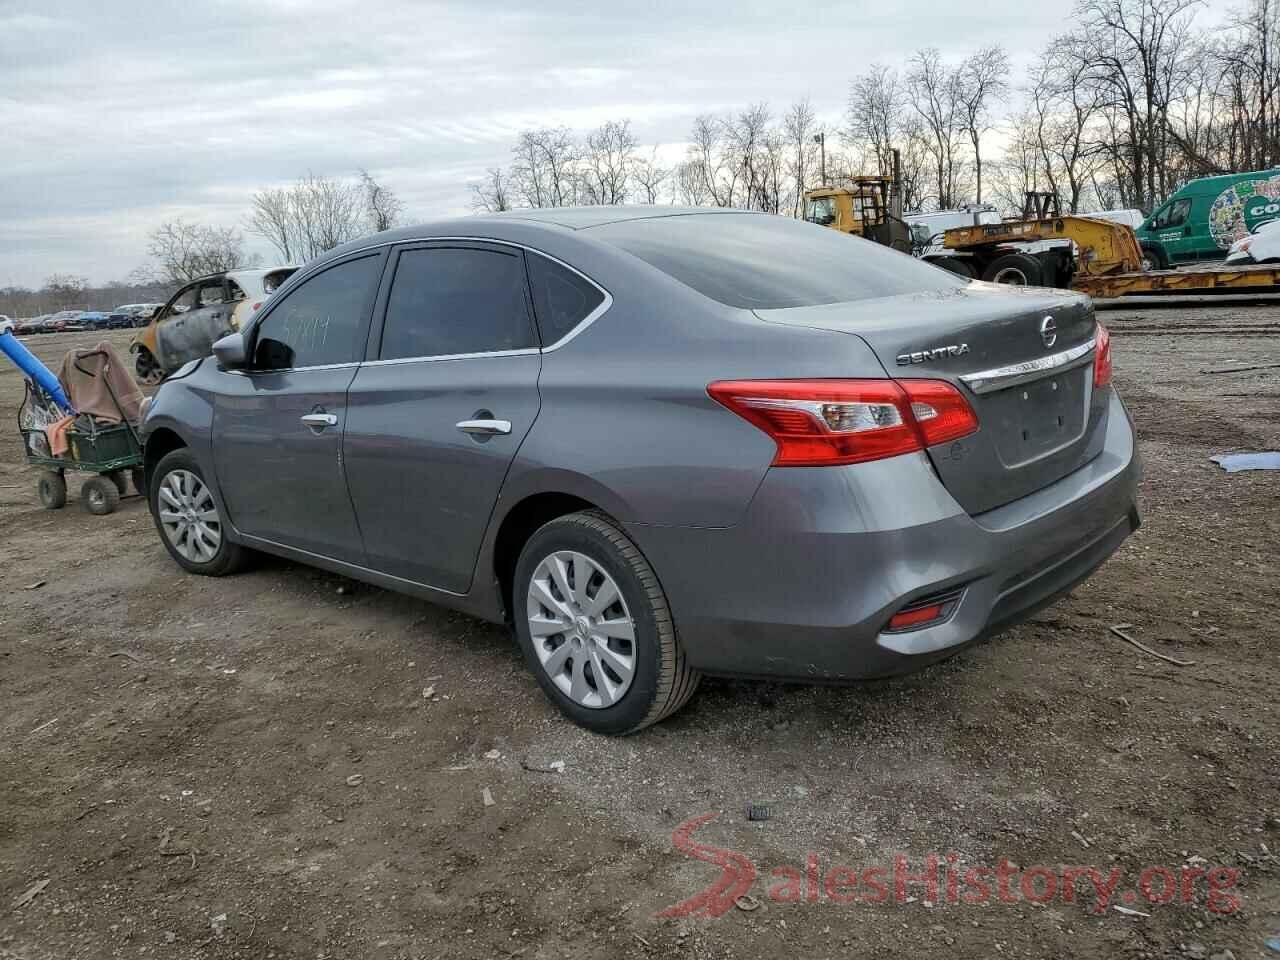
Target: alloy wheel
pixel 582 632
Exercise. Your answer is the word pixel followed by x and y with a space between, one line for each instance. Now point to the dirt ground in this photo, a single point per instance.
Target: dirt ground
pixel 284 764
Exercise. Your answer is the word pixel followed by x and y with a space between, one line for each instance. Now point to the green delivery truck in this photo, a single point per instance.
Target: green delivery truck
pixel 1205 217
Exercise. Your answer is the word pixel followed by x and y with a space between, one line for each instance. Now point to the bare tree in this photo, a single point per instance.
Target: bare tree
pixel 691 184
pixel 650 176
pixel 799 125
pixel 184 251
pixel 492 194
pixel 316 214
pixel 875 118
pixel 545 172
pixel 982 79
pixel 64 290
pixel 381 206
pixel 934 90
pixel 609 162
pixel 718 171
pixel 271 217
pixel 1133 53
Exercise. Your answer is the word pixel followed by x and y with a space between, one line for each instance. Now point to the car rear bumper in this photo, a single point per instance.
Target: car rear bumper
pixel 804 587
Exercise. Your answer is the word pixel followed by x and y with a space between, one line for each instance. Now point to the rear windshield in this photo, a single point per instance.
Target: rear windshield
pixel 764 262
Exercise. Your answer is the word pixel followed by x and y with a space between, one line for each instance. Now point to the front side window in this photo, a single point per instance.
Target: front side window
pixel 185 301
pixel 319 321
pixel 212 292
pixel 561 298
pixel 1174 215
pixel 446 301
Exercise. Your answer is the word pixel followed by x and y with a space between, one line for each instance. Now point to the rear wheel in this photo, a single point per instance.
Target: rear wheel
pixel 52 488
pixel 100 496
pixel 1014 269
pixel 189 520
pixel 595 626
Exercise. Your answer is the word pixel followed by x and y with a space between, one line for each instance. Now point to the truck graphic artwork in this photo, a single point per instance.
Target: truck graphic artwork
pixel 1238 210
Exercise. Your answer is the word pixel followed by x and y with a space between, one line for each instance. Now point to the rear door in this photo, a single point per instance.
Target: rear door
pixel 438 411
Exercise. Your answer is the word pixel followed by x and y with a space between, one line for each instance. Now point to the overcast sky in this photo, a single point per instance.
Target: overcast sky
pixel 118 116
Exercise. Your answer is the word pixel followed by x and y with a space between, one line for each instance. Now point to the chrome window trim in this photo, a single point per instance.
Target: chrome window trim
pixel 522 352
pixel 582 325
pixel 998 378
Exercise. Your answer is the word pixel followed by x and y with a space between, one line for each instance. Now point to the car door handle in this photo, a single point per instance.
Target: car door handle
pixel 319 419
pixel 485 428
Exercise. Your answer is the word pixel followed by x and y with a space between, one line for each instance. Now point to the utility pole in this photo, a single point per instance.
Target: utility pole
pixel 820 138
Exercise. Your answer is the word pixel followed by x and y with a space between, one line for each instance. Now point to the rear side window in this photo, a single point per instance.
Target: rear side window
pixel 561 298
pixel 318 322
pixel 765 262
pixel 456 300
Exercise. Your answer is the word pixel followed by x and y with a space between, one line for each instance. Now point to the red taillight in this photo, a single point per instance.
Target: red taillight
pixel 257 305
pixel 1102 357
pixel 829 422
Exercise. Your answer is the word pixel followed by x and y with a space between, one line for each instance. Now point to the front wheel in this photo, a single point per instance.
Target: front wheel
pixel 595 627
pixel 1154 257
pixel 147 369
pixel 188 518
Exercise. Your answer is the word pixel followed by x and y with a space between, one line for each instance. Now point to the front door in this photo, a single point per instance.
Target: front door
pixel 277 427
pixel 190 335
pixel 436 417
pixel 1172 226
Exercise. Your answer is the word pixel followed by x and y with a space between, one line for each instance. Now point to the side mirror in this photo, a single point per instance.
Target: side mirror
pixel 230 351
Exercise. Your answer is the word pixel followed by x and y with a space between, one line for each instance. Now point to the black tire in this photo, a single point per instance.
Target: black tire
pixel 957 266
pixel 138 477
pixel 146 368
pixel 99 496
pixel 118 478
pixel 1154 257
pixel 1015 269
pixel 52 488
pixel 663 681
pixel 229 557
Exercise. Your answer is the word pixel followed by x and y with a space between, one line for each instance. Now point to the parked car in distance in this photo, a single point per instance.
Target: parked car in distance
pixel 663 442
pixel 93 320
pixel 7 324
pixel 139 313
pixel 198 314
pixel 1261 246
pixel 30 326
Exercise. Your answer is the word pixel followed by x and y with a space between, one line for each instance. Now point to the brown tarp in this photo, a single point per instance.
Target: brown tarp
pixel 88 391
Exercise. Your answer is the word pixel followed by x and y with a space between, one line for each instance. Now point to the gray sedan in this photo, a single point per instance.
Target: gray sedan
pixel 662 443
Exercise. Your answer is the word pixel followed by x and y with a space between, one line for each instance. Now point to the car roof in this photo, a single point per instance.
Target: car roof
pixel 502 225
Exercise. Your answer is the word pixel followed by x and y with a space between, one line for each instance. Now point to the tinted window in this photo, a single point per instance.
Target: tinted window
pixel 765 262
pixel 450 300
pixel 561 298
pixel 317 323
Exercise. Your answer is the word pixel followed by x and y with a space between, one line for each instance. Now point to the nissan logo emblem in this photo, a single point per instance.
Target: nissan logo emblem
pixel 1048 332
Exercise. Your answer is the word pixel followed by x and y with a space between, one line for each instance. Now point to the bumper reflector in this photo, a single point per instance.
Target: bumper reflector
pixel 924 612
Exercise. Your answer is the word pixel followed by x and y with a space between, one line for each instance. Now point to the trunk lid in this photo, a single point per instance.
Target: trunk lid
pixel 1022 357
